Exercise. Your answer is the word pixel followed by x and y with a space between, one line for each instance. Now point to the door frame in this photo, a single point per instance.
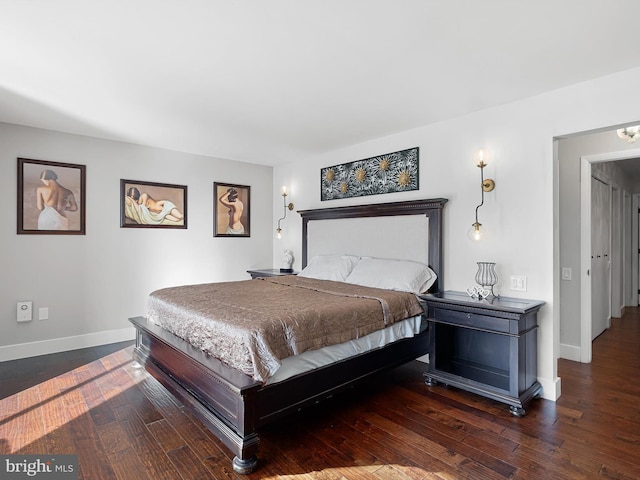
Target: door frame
pixel 585 243
pixel 617 252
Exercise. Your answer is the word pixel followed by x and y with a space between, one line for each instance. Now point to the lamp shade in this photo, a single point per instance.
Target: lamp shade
pixel 481 157
pixel 476 232
pixel 630 134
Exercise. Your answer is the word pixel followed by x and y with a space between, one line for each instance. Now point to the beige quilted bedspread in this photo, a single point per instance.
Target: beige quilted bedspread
pixel 251 325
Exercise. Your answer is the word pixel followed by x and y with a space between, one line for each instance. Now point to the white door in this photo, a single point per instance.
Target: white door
pixel 600 257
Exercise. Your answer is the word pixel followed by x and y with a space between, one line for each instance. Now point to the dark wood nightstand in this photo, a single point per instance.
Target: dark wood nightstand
pixel 268 272
pixel 488 347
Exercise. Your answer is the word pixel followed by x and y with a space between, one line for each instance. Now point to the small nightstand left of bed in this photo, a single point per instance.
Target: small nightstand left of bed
pixel 269 272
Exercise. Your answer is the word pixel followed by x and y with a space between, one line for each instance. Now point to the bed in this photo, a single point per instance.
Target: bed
pixel 231 402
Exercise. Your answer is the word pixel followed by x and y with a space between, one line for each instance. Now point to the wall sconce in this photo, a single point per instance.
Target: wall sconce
pixel 285 207
pixel 480 158
pixel 630 134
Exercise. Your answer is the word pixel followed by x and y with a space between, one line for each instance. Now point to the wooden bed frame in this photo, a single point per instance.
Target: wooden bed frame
pixel 233 405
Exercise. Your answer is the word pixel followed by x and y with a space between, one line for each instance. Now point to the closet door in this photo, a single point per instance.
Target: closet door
pixel 600 257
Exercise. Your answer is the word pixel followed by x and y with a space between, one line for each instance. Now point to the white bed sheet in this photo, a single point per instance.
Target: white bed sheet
pixel 312 359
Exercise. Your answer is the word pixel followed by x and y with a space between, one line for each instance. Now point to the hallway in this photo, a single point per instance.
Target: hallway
pixel 599 409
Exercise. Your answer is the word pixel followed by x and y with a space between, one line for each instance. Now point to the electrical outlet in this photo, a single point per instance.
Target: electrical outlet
pixel 518 283
pixel 24 311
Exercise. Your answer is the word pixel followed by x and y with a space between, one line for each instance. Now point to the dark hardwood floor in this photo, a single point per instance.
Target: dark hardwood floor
pixel 122 424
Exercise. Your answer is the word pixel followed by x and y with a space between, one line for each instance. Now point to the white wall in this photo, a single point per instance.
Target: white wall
pixel 93 283
pixel 521 213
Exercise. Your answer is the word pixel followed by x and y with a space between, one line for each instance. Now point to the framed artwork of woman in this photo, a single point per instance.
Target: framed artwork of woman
pixel 152 205
pixel 51 197
pixel 231 210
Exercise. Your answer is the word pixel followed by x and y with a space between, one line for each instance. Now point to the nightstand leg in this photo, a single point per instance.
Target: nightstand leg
pixel 517 411
pixel 429 381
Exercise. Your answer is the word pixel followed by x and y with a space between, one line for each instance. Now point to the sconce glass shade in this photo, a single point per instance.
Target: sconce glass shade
pixel 630 134
pixel 476 232
pixel 481 157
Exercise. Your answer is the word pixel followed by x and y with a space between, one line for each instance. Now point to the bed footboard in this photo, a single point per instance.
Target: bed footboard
pixel 232 405
pixel 222 399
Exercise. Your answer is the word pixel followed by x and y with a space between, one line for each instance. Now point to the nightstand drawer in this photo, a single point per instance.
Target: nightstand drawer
pixel 471 320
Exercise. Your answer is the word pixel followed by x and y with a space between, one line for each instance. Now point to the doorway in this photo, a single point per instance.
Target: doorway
pixel 595 308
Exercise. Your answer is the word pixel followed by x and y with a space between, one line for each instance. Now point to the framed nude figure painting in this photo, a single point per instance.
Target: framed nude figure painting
pixel 231 210
pixel 152 205
pixel 51 197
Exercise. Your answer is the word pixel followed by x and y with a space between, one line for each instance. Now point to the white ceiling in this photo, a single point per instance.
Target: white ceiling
pixel 274 81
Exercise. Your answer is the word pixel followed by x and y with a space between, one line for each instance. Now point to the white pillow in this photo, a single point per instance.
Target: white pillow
pixel 330 267
pixel 402 275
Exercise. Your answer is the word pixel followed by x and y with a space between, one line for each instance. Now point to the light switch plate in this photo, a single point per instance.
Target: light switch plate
pixel 518 283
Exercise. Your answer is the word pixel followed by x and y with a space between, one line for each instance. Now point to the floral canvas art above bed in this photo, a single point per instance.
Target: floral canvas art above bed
pixel 388 173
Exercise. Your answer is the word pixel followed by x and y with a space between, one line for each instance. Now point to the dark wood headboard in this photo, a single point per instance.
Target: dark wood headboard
pixel 432 208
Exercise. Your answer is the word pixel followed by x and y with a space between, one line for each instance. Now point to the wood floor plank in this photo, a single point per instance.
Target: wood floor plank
pixel 412 405
pixel 337 438
pixel 59 441
pixel 414 435
pixel 125 462
pixel 165 435
pixel 187 463
pixel 144 408
pixel 188 427
pixel 365 456
pixel 113 438
pixel 94 463
pixel 391 447
pixel 150 453
pixel 273 464
pixel 26 424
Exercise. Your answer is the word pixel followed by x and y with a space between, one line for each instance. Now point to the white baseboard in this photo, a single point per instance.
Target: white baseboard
pixel 423 358
pixel 551 389
pixel 57 345
pixel 570 352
